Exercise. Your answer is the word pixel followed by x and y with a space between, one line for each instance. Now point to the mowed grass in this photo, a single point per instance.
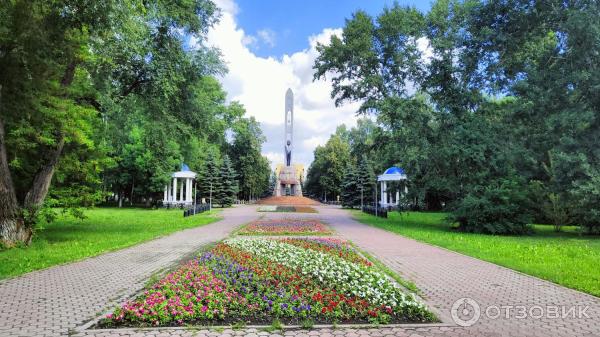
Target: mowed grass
pixel 69 239
pixel 566 258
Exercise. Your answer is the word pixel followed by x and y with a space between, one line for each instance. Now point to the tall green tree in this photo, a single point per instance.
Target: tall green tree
pixel 325 175
pixel 209 179
pixel 251 167
pixel 475 99
pixel 366 181
pixel 43 111
pixel 71 66
pixel 225 195
pixel 351 193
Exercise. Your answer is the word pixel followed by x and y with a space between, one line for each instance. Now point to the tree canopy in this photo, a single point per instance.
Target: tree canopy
pixel 103 100
pixel 489 106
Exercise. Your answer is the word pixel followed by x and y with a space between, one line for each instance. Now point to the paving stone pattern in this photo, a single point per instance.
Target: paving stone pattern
pixel 53 301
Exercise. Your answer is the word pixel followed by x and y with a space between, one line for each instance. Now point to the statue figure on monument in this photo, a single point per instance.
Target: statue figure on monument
pixel 288 153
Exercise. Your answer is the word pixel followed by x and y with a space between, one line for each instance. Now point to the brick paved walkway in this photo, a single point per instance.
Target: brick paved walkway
pixel 55 300
pixel 444 277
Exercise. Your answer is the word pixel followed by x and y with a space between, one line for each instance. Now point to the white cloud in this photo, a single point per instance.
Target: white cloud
pixel 249 40
pixel 267 36
pixel 260 84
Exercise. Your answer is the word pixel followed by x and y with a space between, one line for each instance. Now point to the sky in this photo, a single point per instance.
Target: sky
pixel 269 46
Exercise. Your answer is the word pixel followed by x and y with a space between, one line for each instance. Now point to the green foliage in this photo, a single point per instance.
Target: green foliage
pixel 253 170
pixel 228 188
pixel 499 208
pixel 480 103
pixel 325 175
pixel 586 194
pixel 366 181
pixel 209 181
pixel 106 99
pixel 350 192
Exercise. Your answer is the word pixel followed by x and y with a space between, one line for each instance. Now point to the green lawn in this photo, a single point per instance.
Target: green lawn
pixel 69 239
pixel 564 258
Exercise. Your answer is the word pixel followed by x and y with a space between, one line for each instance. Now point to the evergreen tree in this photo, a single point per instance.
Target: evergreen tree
pixel 228 187
pixel 365 184
pixel 210 181
pixel 350 192
pixel 272 183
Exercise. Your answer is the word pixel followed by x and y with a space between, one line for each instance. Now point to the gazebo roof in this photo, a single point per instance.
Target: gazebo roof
pixel 392 174
pixel 184 173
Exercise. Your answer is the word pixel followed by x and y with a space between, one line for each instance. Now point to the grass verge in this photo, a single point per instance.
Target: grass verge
pixel 566 258
pixel 68 239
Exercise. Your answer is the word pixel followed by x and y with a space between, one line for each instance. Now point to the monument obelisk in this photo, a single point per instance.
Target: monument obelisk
pixel 289 127
pixel 288 175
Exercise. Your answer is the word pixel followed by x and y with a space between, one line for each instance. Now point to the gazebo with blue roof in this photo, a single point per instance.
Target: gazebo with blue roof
pixel 185 189
pixel 391 174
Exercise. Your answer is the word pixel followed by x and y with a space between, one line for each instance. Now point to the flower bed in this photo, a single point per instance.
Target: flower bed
pixel 258 280
pixel 335 247
pixel 285 227
pixel 305 209
pixel 267 208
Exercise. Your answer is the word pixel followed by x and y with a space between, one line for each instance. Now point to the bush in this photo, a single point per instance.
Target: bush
pixel 587 202
pixel 498 208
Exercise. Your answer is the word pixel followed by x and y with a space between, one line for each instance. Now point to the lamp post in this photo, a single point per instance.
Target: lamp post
pixel 362 208
pixel 195 197
pixel 210 198
pixel 376 199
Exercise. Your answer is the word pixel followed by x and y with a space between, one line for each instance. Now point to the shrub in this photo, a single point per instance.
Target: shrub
pixel 498 208
pixel 587 202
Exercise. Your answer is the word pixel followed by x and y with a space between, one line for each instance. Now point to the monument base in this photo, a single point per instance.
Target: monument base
pixel 287 183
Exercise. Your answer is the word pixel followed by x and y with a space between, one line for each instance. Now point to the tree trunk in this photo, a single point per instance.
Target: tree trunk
pixel 12 226
pixel 41 182
pixel 16 221
pixel 132 187
pixel 13 230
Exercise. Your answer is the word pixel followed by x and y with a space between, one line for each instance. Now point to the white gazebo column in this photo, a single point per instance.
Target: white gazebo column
pixel 181 192
pixel 169 191
pixel 398 197
pixel 165 195
pixel 188 190
pixel 174 190
pixel 385 194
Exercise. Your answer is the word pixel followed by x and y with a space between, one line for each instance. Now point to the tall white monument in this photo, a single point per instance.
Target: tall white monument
pixel 288 175
pixel 289 127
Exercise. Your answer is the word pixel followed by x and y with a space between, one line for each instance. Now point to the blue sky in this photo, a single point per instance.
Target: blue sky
pixel 290 23
pixel 270 46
